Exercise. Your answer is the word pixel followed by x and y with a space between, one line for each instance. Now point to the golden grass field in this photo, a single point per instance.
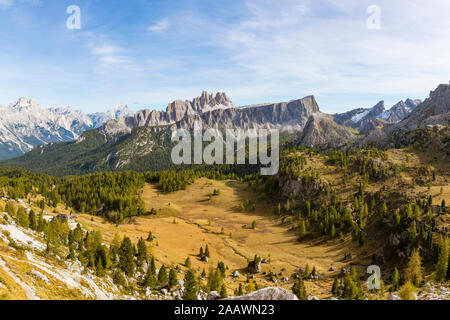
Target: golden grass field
pixel 188 219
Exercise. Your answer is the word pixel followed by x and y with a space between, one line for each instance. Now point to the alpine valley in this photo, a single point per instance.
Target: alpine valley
pixel 93 208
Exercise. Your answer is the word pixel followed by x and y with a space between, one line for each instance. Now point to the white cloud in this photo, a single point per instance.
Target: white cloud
pixel 324 46
pixel 160 26
pixel 106 50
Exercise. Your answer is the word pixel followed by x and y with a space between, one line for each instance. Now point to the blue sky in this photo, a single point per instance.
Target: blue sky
pixel 146 53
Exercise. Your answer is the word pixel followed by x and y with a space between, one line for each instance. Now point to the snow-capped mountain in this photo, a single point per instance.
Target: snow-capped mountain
pixel 121 111
pixel 363 119
pixel 24 124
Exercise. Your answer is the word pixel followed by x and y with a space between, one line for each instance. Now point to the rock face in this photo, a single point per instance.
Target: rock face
pixel 433 111
pixel 272 293
pixel 219 111
pixel 322 132
pixel 24 124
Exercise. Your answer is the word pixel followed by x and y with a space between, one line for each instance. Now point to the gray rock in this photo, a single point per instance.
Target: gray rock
pixel 271 293
pixel 213 295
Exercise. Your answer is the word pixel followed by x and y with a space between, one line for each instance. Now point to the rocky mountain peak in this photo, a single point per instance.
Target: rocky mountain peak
pixel 24 103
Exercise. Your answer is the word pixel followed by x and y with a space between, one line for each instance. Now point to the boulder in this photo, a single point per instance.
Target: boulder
pixel 254 267
pixel 270 293
pixel 213 295
pixel 236 274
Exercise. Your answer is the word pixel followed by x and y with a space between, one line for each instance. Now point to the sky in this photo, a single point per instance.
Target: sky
pixel 147 53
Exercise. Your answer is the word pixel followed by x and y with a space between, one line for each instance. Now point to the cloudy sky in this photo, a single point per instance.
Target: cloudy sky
pixel 147 53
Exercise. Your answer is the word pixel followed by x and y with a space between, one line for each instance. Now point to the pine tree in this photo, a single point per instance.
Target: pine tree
pixel 395 281
pixel 22 218
pixel 442 264
pixel 150 236
pixel 335 288
pixel 302 232
pixel 307 272
pixel 126 257
pixel 162 276
pixel 240 290
pixel 414 272
pixel 190 285
pixel 207 251
pixel 141 252
pixel 299 289
pixel 187 262
pixel 33 221
pixel 150 276
pixel 99 271
pixel 172 277
pixel 223 292
pixel 201 252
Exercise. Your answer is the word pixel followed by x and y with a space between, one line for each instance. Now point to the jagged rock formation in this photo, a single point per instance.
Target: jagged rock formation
pixel 368 119
pixel 219 111
pixel 272 293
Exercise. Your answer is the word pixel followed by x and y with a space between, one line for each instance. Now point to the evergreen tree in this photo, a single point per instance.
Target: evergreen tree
pixel 99 271
pixel 126 257
pixel 395 280
pixel 414 272
pixel 302 232
pixel 223 292
pixel 335 288
pixel 207 251
pixel 162 276
pixel 33 221
pixel 150 276
pixel 172 277
pixel 141 252
pixel 22 218
pixel 442 264
pixel 299 289
pixel 187 262
pixel 190 285
pixel 240 290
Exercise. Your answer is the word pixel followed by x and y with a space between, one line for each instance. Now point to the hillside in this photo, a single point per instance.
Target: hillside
pixel 330 211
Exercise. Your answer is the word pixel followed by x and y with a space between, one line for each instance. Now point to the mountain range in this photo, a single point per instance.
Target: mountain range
pixel 141 141
pixel 24 125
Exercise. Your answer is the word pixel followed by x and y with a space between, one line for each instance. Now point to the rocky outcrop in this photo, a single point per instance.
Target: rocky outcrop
pixel 322 132
pixel 271 293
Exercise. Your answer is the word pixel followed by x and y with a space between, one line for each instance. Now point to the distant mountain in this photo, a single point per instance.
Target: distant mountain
pixel 434 112
pixel 99 118
pixel 363 119
pixel 322 132
pixel 142 141
pixel 24 125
